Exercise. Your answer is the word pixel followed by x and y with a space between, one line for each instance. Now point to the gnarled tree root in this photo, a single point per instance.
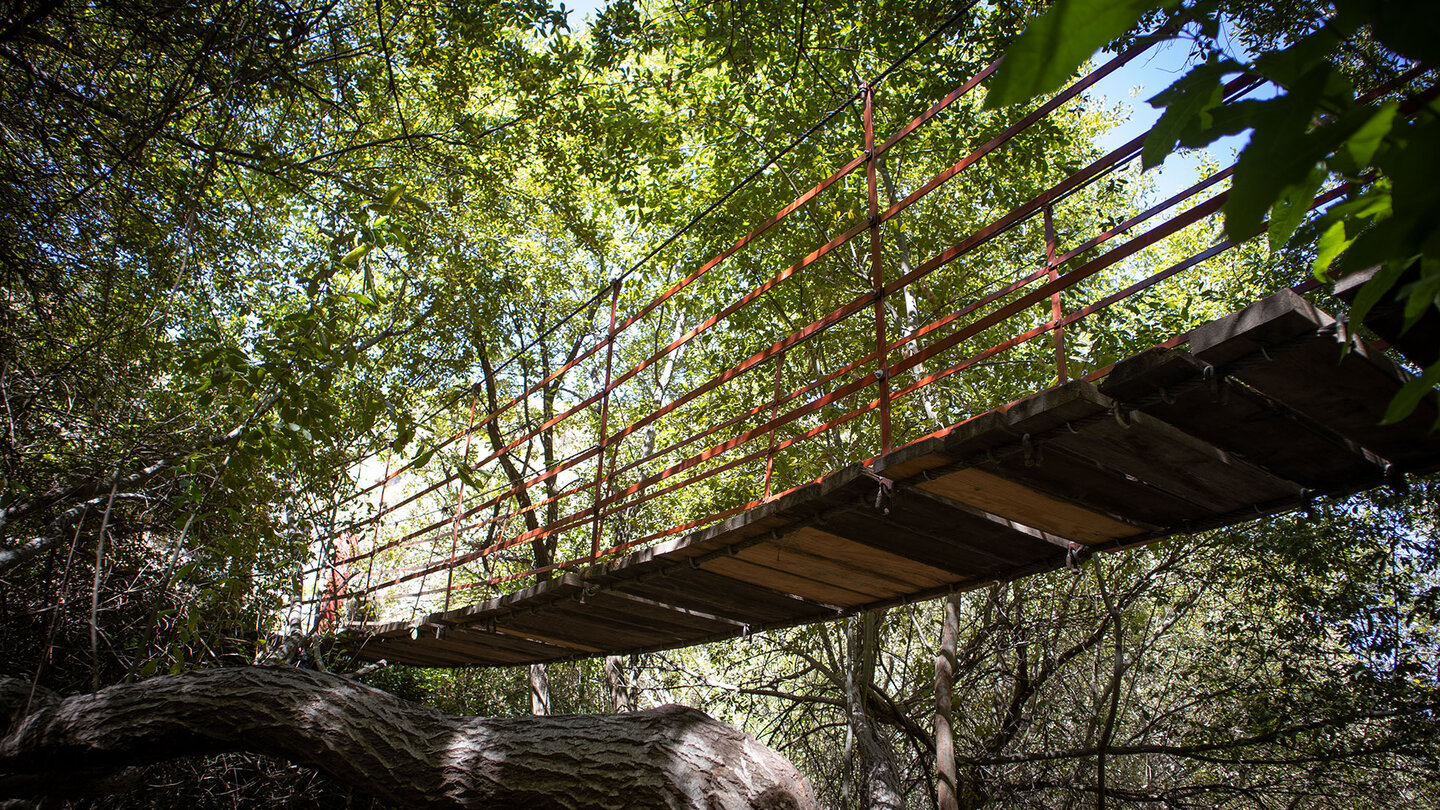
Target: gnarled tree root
pixel 397 751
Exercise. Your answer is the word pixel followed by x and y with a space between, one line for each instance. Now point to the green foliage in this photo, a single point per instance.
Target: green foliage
pixel 273 248
pixel 1318 130
pixel 1055 43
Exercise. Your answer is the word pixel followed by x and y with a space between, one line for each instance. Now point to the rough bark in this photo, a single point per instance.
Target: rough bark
pixel 400 752
pixel 617 685
pixel 947 787
pixel 539 681
pixel 881 788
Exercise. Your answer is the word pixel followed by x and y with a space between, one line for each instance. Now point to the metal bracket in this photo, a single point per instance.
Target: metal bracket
pixel 883 493
pixel 1119 417
pixel 1395 477
pixel 1212 381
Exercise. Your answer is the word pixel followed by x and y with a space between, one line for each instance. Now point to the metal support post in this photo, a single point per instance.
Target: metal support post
pixel 459 506
pixel 604 419
pixel 774 411
pixel 877 273
pixel 1056 310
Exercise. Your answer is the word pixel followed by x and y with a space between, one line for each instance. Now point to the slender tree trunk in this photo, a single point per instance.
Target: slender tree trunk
pixel 876 772
pixel 400 752
pixel 539 691
pixel 617 685
pixel 946 789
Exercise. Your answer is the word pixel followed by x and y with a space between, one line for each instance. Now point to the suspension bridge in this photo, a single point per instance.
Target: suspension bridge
pixel 629 497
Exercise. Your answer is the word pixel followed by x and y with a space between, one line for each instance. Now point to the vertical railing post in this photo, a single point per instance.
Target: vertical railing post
pixel 459 506
pixel 604 419
pixel 774 412
pixel 375 545
pixel 1056 310
pixel 877 273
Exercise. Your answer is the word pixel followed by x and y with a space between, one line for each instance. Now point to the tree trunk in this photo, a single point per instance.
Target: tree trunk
pixel 946 791
pixel 399 752
pixel 539 690
pixel 881 788
pixel 617 685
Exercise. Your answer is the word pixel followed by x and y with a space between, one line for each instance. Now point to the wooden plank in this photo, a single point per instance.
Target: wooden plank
pixel 427 652
pixel 1079 481
pixel 559 624
pixel 819 568
pixel 900 569
pixel 1000 431
pixel 1420 342
pixel 799 505
pixel 471 649
pixel 1271 321
pixel 786 581
pixel 529 633
pixel 654 615
pixel 1169 384
pixel 912 460
pixel 962 543
pixel 1348 394
pixel 1175 462
pixel 565 586
pixel 531 649
pixel 994 429
pixel 712 593
pixel 1016 502
pixel 1056 408
pixel 644 630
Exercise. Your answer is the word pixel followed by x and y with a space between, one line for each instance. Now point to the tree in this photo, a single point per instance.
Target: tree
pixel 250 249
pixel 1352 107
pixel 396 751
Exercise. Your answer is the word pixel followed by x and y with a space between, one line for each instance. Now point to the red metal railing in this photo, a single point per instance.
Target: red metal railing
pixel 850 374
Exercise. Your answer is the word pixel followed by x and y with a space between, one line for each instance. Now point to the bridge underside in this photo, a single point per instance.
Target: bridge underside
pixel 1263 413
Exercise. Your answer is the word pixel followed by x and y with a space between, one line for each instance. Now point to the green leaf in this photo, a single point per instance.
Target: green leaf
pixel 1058 41
pixel 1281 153
pixel 1292 66
pixel 355 255
pixel 403 437
pixel 1333 241
pixel 392 196
pixel 1289 211
pixel 1409 396
pixel 1189 104
pixel 1420 296
pixel 469 478
pixel 1360 147
pixel 1410 27
pixel 1375 289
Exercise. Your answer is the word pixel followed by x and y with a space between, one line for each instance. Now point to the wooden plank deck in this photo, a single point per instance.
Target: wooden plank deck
pixel 1272 406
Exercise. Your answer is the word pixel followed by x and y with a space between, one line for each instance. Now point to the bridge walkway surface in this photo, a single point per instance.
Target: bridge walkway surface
pixel 1269 408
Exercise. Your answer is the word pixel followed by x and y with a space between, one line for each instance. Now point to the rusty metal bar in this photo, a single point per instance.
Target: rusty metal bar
pixel 1056 310
pixel 877 271
pixel 459 504
pixel 604 417
pixel 605 503
pixel 1095 170
pixel 774 411
pixel 784 212
pixel 370 570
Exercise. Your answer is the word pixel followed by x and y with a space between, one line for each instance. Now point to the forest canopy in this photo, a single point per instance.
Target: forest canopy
pixel 255 255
